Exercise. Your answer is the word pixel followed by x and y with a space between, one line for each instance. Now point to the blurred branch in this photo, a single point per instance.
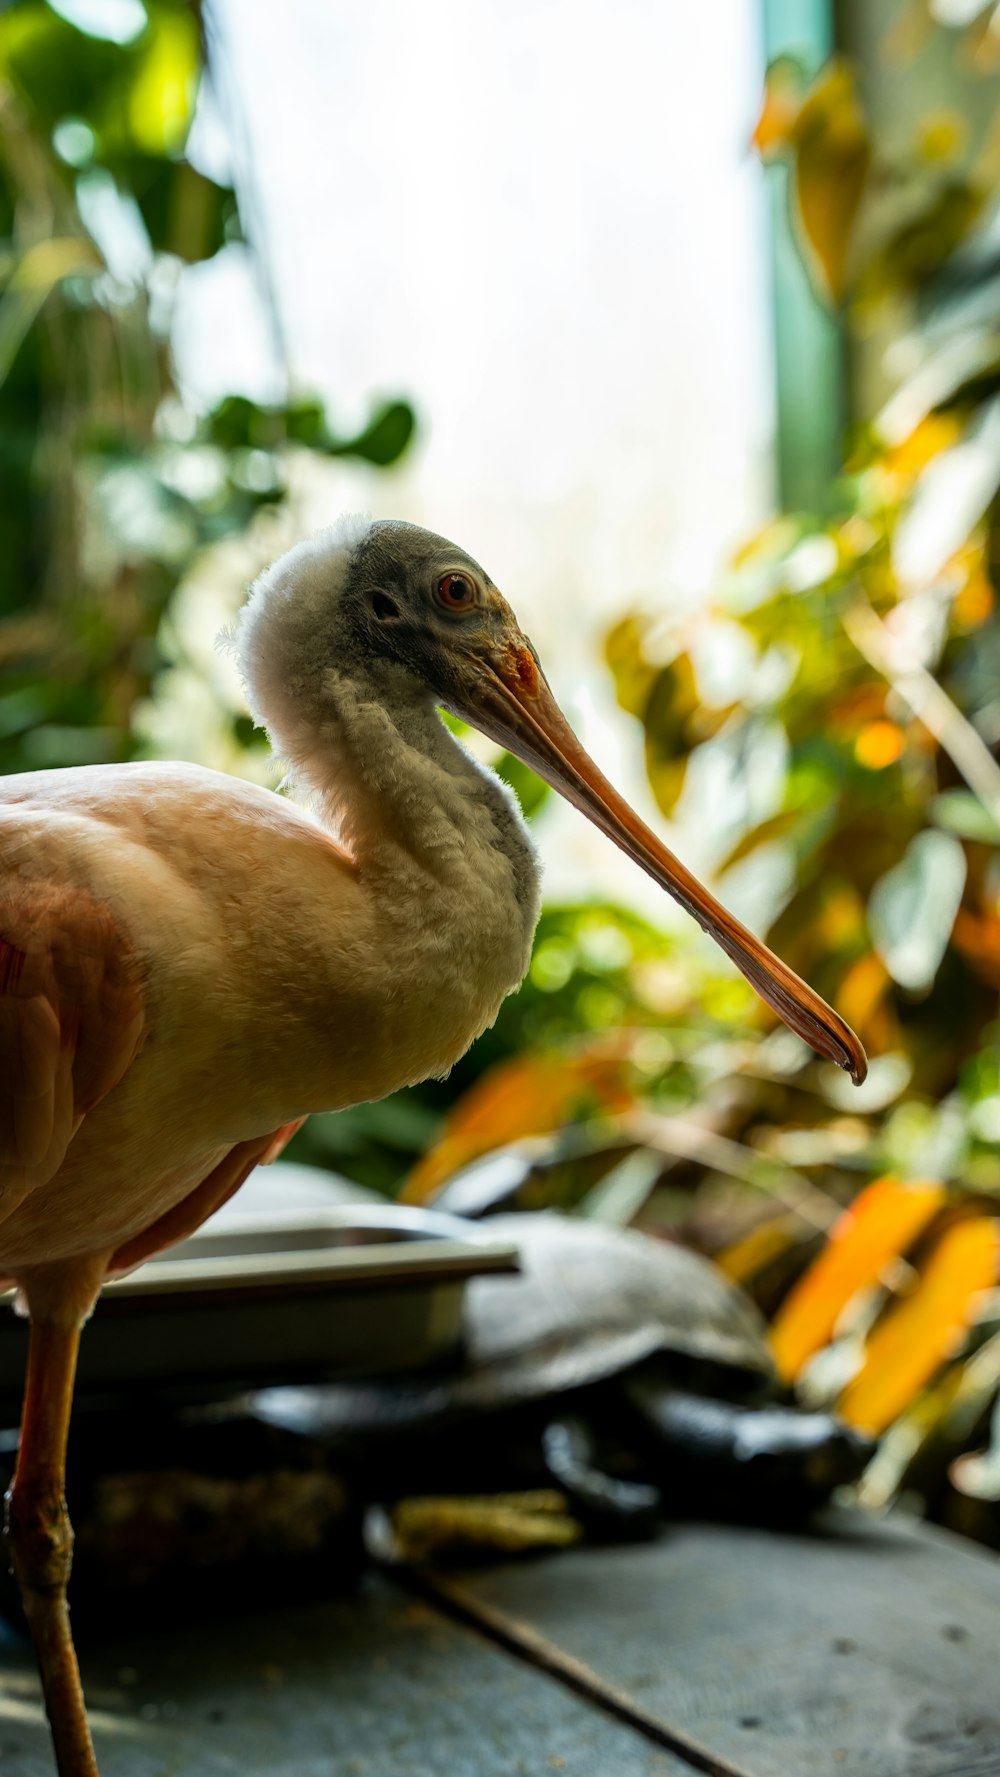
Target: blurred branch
pixel 920 690
pixel 687 1141
pixel 30 283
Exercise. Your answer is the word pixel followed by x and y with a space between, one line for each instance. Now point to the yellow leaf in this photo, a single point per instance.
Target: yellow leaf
pixel 841 918
pixel 677 720
pixel 975 602
pixel 855 538
pixel 882 1222
pixel 942 136
pixel 777 826
pixel 832 159
pixel 862 991
pixel 935 433
pixel 624 652
pixel 746 1258
pixel 770 544
pixel 916 1337
pixel 162 95
pixel 981 50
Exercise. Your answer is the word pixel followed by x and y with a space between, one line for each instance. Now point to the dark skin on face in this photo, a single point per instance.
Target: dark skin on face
pixel 485 670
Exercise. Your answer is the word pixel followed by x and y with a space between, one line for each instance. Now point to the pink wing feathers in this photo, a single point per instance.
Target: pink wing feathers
pixel 71 1020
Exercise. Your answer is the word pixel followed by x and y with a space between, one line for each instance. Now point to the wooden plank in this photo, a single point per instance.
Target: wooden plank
pixel 866 1649
pixel 374 1685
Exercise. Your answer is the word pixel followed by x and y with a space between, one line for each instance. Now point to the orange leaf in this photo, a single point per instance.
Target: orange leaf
pixel 881 1223
pixel 780 109
pixel 910 1344
pixel 528 1095
pixel 862 991
pixel 978 939
pixel 745 1258
pixel 974 602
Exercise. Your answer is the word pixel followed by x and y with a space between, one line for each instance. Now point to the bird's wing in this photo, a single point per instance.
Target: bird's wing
pixel 187 1216
pixel 71 1020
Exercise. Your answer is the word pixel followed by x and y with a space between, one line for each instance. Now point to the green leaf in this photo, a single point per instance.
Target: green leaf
pixel 385 437
pixel 624 653
pixel 57 70
pixel 676 720
pixel 137 96
pixel 305 422
pixel 832 164
pixel 961 812
pixel 42 267
pixel 530 790
pixel 949 498
pixel 239 423
pixel 185 213
pixel 912 908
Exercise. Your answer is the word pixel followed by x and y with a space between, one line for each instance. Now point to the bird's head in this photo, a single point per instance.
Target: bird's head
pixel 426 620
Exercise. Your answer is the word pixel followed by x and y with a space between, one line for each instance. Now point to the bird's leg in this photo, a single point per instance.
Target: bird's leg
pixel 40 1538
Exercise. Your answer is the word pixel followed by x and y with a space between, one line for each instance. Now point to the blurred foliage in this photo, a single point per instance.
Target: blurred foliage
pixel 834 713
pixel 112 485
pixel 838 699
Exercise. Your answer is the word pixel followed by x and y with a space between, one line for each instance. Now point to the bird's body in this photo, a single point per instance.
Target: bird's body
pixel 274 972
pixel 189 964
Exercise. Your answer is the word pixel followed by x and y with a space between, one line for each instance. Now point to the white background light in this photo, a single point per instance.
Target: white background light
pixel 540 221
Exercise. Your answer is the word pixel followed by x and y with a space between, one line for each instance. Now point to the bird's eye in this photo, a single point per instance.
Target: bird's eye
pixel 456 592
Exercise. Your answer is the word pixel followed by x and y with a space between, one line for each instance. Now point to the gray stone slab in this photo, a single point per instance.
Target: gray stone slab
pixel 376 1685
pixel 870 1649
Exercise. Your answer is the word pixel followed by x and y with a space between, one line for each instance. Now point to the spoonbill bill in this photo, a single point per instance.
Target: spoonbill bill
pixel 190 964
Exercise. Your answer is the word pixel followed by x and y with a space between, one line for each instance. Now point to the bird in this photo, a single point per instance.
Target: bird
pixel 191 964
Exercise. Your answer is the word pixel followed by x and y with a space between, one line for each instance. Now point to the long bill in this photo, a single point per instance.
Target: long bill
pixel 512 703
